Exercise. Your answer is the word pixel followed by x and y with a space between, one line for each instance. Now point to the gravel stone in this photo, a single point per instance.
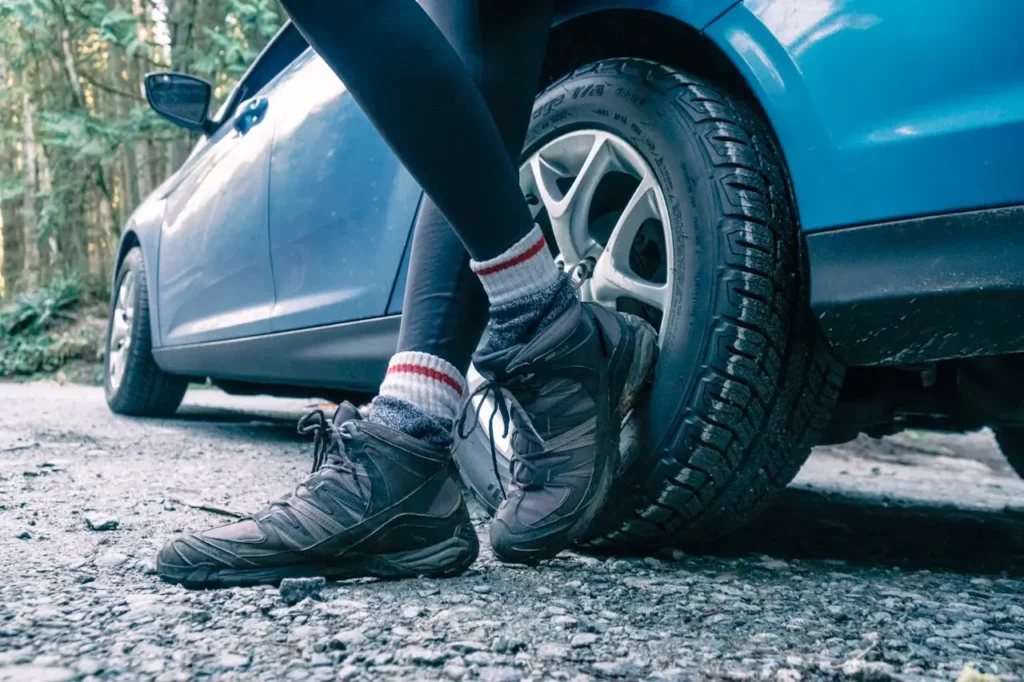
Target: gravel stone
pixel 88 666
pixel 347 639
pixel 467 646
pixel 552 651
pixel 110 560
pixel 674 675
pixel 229 661
pixel 294 590
pixel 420 655
pixel 499 674
pixel 348 672
pixel 35 673
pixel 583 639
pixel 617 669
pixel 455 672
pixel 868 671
pixel 98 522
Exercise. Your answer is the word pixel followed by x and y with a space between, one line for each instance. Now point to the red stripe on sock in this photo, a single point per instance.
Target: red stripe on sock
pixel 524 256
pixel 429 373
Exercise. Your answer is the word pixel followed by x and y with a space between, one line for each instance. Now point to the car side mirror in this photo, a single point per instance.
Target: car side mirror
pixel 181 99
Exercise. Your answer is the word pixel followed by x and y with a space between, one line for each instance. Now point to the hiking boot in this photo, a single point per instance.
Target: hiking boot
pixel 566 392
pixel 378 503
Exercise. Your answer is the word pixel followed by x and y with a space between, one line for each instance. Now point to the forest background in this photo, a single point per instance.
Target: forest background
pixel 80 148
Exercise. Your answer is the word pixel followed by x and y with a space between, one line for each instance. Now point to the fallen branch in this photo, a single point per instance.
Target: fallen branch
pixel 15 448
pixel 202 506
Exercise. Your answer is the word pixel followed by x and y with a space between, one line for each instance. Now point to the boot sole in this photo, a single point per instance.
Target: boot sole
pixel 442 560
pixel 645 353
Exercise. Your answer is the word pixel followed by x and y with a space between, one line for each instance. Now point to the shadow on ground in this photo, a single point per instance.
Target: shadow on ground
pixel 269 427
pixel 809 524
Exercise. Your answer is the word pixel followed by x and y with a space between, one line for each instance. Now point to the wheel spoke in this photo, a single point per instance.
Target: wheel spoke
pixel 129 303
pixel 613 277
pixel 569 212
pixel 119 330
pixel 116 359
pixel 609 284
pixel 122 296
pixel 640 207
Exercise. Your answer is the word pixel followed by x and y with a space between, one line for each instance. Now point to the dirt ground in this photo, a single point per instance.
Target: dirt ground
pixel 886 560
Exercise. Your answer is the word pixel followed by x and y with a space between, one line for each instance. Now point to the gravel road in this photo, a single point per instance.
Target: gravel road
pixel 890 560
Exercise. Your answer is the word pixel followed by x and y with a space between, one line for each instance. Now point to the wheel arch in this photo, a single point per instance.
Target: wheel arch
pixel 732 49
pixel 143 231
pixel 645 33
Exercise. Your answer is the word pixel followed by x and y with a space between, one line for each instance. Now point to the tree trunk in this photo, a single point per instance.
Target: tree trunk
pixel 180 17
pixel 10 223
pixel 30 265
pixel 49 258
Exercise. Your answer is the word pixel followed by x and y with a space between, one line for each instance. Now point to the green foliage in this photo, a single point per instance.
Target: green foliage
pixel 37 331
pixel 98 147
pixel 35 312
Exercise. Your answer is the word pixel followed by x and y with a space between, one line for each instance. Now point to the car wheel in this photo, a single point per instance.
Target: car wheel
pixel 670 197
pixel 1011 443
pixel 134 384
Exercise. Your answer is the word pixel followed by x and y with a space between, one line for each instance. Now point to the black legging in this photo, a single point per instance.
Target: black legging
pixel 456 118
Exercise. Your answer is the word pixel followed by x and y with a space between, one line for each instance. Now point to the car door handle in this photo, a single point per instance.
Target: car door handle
pixel 251 114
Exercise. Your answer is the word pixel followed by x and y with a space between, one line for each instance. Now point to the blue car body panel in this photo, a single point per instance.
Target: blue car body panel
pixel 213 273
pixel 886 109
pixel 340 215
pixel 883 110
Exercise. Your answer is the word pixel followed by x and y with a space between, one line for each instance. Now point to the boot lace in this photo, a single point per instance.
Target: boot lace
pixel 527 465
pixel 523 466
pixel 330 451
pixel 330 442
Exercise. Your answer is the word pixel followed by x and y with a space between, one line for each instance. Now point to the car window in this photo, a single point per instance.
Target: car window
pixel 275 58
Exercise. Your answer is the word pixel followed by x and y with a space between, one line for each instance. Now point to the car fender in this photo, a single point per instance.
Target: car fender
pixel 886 110
pixel 143 228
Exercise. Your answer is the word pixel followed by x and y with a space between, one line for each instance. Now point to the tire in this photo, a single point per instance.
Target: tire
pixel 744 381
pixel 144 390
pixel 1011 443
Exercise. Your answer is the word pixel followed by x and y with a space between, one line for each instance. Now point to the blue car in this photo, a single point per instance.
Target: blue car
pixel 818 203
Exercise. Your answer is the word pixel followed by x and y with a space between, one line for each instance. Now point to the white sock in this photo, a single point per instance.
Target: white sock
pixel 428 383
pixel 526 268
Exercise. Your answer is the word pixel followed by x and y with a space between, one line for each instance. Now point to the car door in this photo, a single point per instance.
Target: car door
pixel 214 275
pixel 341 204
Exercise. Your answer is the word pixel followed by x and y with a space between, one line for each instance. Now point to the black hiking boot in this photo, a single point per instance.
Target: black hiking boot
pixel 566 392
pixel 378 503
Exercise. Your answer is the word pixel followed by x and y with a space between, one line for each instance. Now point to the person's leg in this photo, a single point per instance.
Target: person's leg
pixel 569 371
pixel 445 308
